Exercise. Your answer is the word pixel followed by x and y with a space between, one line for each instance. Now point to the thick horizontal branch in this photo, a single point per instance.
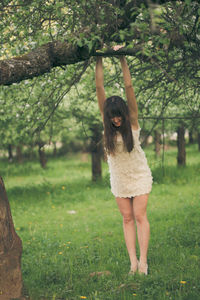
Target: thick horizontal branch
pixel 53 54
pixel 48 56
pixel 40 61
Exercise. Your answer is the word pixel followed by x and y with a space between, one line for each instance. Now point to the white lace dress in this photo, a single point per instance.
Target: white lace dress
pixel 129 172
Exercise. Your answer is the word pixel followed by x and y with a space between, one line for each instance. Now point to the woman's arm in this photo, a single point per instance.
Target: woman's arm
pixel 130 95
pixel 100 84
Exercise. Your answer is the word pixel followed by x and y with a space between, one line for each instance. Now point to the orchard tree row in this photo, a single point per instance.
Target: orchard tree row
pixel 33 122
pixel 160 37
pixel 35 113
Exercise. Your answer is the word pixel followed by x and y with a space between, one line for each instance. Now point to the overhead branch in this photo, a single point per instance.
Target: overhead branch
pixel 53 54
pixel 40 61
pixel 48 56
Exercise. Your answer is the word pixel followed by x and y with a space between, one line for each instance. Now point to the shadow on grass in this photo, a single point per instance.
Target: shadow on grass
pixel 176 175
pixel 78 188
pixel 74 191
pixel 32 167
pixel 20 169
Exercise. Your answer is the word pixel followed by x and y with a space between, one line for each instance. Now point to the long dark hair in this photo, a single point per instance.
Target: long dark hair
pixel 115 106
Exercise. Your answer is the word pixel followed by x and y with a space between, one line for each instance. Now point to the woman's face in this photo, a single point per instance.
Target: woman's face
pixel 117 121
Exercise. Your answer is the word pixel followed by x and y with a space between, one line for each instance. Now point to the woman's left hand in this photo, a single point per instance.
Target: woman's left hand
pixel 117 47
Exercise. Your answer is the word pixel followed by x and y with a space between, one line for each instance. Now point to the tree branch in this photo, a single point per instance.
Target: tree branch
pixel 53 54
pixel 40 61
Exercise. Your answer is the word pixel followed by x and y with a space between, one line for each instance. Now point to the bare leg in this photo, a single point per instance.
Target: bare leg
pixel 126 208
pixel 143 228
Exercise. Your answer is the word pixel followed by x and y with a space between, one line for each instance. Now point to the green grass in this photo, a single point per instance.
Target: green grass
pixel 62 249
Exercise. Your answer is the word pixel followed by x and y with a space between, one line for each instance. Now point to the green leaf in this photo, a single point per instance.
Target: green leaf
pixel 122 35
pixel 80 43
pixel 188 2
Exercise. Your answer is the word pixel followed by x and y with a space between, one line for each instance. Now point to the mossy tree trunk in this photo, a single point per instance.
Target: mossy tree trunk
pixel 10 252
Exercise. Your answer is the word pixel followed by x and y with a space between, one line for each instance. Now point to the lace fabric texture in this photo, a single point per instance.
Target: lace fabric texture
pixel 130 174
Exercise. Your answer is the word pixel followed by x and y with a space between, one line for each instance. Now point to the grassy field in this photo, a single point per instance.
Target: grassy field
pixel 71 229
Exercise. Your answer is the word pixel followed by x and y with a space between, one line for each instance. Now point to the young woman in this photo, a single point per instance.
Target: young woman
pixel 130 176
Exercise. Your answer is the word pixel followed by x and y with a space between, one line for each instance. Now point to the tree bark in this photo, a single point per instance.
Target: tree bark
pixel 144 135
pixel 157 141
pixel 181 158
pixel 191 138
pixel 54 54
pixel 10 252
pixel 198 139
pixel 10 153
pixel 42 156
pixel 19 154
pixel 40 61
pixel 96 152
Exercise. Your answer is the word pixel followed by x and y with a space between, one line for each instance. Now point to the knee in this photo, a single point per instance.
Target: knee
pixel 140 218
pixel 128 218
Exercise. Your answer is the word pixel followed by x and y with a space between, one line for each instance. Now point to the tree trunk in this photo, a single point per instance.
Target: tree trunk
pixel 191 139
pixel 96 152
pixel 10 252
pixel 19 154
pixel 198 138
pixel 181 158
pixel 10 153
pixel 42 156
pixel 144 136
pixel 157 141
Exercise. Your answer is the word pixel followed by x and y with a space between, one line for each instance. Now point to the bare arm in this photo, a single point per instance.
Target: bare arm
pixel 130 95
pixel 100 84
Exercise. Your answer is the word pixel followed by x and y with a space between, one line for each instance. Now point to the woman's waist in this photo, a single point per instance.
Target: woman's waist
pixel 121 151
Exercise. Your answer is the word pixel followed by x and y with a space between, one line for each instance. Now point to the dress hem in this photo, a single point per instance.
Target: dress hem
pixel 132 195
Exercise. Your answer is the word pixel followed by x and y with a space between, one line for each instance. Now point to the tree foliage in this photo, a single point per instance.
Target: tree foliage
pixel 163 34
pixel 161 39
